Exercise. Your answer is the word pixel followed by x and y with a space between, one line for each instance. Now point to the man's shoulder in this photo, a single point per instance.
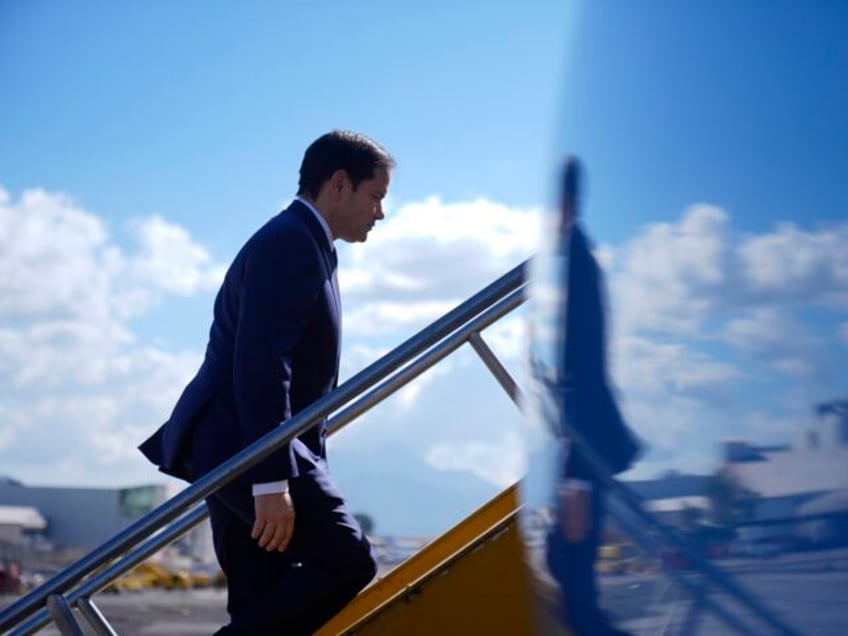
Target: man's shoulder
pixel 284 243
pixel 289 221
pixel 288 229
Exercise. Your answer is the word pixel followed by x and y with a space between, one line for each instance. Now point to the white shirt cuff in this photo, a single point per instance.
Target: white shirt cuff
pixel 271 488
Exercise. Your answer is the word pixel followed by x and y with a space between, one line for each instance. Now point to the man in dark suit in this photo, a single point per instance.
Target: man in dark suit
pixel 589 407
pixel 273 350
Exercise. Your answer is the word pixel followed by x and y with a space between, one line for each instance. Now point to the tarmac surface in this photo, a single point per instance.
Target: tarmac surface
pixel 159 612
pixel 807 591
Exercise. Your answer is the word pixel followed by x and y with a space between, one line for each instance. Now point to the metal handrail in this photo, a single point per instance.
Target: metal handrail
pixel 389 373
pixel 267 445
pixel 431 357
pixel 95 617
pixel 63 615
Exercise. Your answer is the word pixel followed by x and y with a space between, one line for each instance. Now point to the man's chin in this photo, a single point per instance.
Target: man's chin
pixel 355 239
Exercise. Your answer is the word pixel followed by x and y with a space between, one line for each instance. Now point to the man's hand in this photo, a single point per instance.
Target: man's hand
pixel 274 523
pixel 576 513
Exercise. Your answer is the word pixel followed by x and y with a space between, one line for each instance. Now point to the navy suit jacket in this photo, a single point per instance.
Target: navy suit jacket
pixel 589 403
pixel 273 350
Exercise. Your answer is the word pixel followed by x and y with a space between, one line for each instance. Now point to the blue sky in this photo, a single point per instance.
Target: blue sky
pixel 142 143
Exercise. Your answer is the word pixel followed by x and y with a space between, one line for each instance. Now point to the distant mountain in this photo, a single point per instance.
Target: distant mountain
pixel 404 495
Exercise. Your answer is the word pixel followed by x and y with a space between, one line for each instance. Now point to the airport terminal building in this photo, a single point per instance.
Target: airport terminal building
pixel 75 518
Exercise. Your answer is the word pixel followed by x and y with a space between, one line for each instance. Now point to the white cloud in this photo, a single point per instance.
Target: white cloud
pixel 790 263
pixel 382 318
pixel 695 308
pixel 170 260
pixel 500 229
pixel 770 335
pixel 420 263
pixel 501 462
pixel 77 388
pixel 665 278
pixel 694 336
pixel 707 323
pixel 54 259
pixel 436 251
pixel 672 277
pixel 670 369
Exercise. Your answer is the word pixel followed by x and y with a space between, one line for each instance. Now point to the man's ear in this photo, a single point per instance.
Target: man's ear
pixel 339 182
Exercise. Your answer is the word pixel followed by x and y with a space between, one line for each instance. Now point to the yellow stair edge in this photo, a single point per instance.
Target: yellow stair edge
pixel 498 512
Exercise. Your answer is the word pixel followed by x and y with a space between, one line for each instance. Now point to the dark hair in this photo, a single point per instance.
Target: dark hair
pixel 356 154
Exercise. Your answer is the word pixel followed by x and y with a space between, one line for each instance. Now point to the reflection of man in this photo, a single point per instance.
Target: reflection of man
pixel 591 410
pixel 273 350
